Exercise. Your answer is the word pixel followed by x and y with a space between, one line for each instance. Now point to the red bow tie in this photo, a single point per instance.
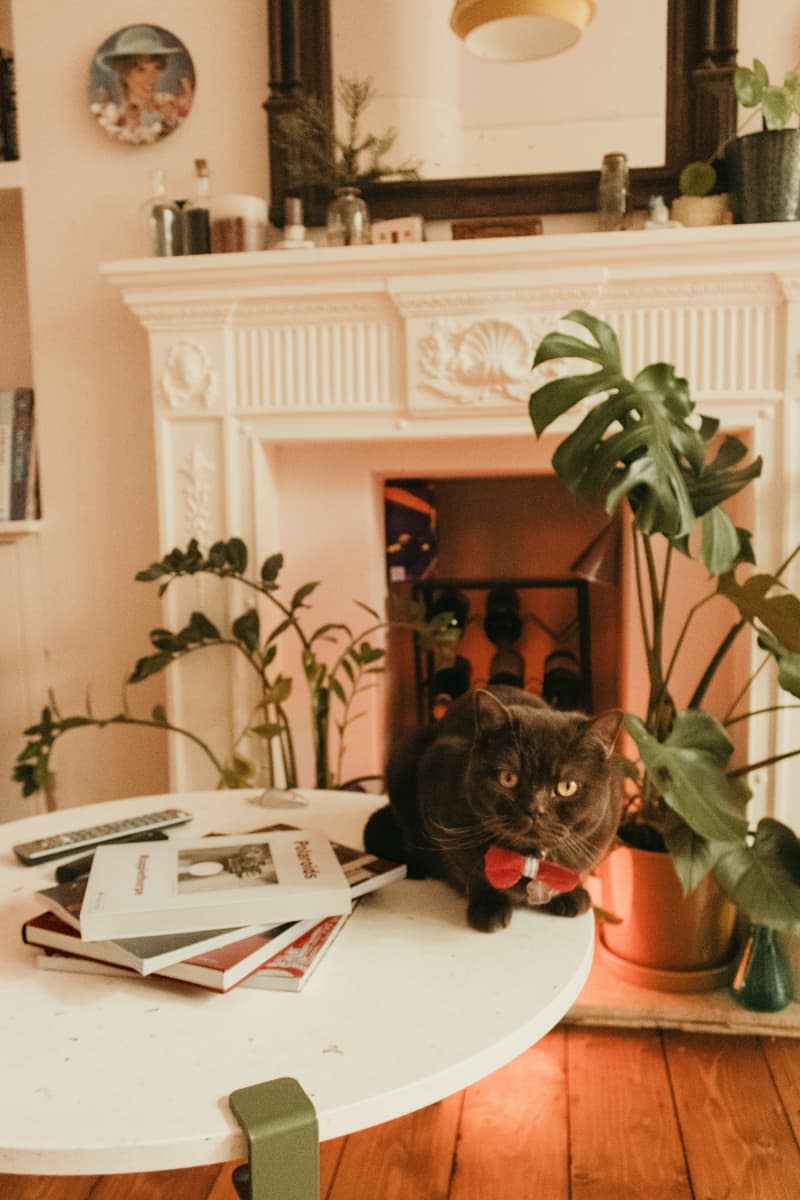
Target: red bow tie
pixel 504 868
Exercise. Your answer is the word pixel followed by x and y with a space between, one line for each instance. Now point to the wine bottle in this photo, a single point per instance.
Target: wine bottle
pixel 502 623
pixel 447 684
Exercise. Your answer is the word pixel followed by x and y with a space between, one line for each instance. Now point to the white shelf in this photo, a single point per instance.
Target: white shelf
pixel 11 530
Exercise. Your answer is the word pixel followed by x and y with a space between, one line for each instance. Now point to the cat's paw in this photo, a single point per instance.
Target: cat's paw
pixel 569 904
pixel 488 912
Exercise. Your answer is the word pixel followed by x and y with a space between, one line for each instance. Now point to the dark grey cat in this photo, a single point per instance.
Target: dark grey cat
pixel 501 769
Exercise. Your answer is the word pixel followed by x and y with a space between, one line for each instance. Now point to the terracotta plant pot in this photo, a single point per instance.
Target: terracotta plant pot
pixel 665 940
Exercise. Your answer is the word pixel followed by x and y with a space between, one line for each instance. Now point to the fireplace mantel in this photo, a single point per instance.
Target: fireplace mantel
pixel 287 385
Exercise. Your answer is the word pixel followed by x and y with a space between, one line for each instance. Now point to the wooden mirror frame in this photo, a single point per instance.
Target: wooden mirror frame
pixel 700 115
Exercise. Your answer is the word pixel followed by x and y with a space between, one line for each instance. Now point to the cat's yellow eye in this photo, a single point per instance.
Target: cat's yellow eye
pixel 566 788
pixel 507 779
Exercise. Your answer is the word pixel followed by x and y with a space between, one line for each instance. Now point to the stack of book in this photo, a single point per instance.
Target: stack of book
pixel 19 491
pixel 258 910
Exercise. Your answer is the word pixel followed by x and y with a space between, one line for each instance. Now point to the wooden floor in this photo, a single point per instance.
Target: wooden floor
pixel 587 1114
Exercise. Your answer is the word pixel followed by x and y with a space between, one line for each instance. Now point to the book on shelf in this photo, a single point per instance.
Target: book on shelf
pixel 187 884
pixel 6 425
pixel 291 968
pixel 23 457
pixel 9 148
pixel 59 927
pixel 217 970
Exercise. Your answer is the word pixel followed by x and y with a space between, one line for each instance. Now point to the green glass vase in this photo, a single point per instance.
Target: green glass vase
pixel 763 979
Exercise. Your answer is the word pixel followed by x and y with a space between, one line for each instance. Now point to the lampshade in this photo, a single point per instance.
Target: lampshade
pixel 519 30
pixel 600 561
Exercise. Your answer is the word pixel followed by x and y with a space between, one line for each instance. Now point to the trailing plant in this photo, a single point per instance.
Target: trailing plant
pixel 641 444
pixel 317 155
pixel 334 683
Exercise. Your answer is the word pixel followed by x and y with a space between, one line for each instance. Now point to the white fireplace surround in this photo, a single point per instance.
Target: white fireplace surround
pixel 288 385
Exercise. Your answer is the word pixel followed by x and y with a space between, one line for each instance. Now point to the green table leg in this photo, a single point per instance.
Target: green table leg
pixel 281 1126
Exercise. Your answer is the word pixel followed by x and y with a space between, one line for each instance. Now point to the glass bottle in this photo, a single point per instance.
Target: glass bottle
pixel 160 219
pixel 195 215
pixel 613 194
pixel 763 979
pixel 347 219
pixel 294 230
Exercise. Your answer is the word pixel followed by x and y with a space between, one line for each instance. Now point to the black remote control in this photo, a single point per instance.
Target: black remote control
pixel 60 844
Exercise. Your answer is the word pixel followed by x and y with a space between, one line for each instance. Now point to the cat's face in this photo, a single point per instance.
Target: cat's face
pixel 542 782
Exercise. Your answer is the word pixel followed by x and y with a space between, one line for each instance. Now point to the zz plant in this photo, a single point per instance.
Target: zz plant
pixel 640 443
pixel 335 683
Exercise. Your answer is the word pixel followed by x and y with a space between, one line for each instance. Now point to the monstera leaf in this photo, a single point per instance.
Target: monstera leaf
pixel 763 880
pixel 689 771
pixel 778 614
pixel 637 441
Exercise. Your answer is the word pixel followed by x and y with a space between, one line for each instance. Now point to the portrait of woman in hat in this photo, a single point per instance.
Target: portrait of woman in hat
pixel 141 84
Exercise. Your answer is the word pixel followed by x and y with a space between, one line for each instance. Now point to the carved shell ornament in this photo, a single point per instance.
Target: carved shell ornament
pixel 489 360
pixel 188 376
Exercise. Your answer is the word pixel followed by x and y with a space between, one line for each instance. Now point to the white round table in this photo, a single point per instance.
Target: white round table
pixel 104 1075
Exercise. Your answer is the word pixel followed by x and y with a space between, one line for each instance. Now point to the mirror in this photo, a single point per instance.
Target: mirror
pixel 700 113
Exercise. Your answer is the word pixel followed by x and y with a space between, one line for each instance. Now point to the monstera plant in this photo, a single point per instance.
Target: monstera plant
pixel 639 443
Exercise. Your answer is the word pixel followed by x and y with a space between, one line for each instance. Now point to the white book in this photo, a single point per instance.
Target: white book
pixel 185 884
pixel 142 954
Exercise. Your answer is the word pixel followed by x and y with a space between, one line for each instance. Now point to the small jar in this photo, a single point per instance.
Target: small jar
pixel 347 219
pixel 613 194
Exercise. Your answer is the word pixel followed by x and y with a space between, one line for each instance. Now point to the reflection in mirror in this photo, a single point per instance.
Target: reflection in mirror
pixel 465 116
pixel 699 58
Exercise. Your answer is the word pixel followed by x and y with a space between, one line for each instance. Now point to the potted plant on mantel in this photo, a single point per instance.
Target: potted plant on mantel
pixel 642 445
pixel 764 167
pixel 316 156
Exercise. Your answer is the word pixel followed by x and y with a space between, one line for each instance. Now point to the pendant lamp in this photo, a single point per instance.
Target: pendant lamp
pixel 520 30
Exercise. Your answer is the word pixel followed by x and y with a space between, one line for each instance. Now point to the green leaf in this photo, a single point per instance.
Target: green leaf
pixel 780 614
pixel 301 593
pixel 150 665
pixel 719 549
pixel 159 714
pixel 280 691
pixel 635 442
pixel 271 568
pixel 236 552
pixel 763 881
pixel 247 629
pixel 267 731
pixel 788 664
pixel 338 690
pixel 688 771
pixel 692 856
pixel 217 556
pixel 203 629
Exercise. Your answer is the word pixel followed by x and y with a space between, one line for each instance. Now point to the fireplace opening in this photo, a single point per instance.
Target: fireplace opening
pixel 498 552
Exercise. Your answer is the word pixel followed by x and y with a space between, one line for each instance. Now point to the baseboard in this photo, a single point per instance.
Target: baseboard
pixel 607 1000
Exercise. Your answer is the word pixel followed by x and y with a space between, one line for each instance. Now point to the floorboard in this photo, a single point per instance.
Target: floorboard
pixel 586 1114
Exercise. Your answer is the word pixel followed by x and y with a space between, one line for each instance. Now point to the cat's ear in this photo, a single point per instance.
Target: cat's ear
pixel 490 715
pixel 604 731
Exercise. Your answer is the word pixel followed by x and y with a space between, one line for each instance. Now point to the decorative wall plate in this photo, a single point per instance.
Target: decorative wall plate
pixel 141 84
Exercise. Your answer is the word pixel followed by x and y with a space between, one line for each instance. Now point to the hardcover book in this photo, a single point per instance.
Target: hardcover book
pixel 142 954
pixel 291 968
pixel 185 884
pixel 218 970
